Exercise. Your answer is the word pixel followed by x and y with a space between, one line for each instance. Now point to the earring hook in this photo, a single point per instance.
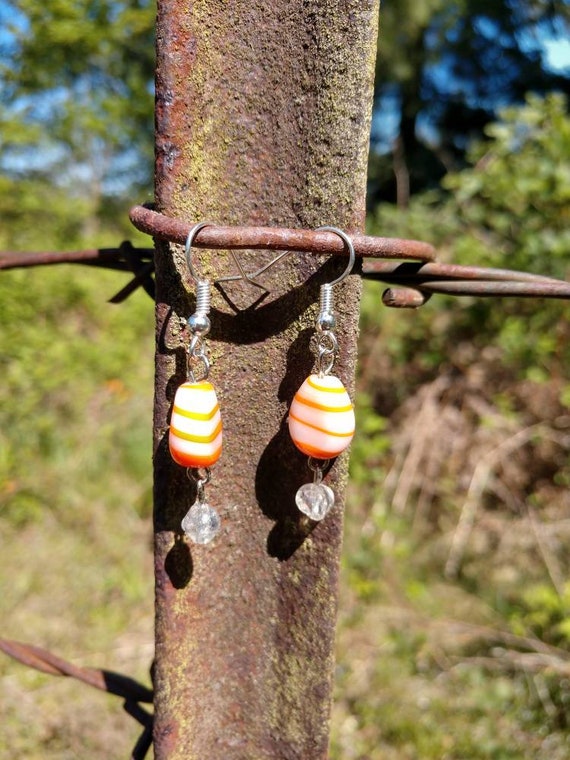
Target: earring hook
pixel 351 258
pixel 189 240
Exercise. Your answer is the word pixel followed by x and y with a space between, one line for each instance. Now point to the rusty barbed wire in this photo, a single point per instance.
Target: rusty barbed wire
pixel 433 277
pixel 122 686
pixel 276 238
pixel 421 279
pixel 415 280
pixel 106 258
pixel 125 258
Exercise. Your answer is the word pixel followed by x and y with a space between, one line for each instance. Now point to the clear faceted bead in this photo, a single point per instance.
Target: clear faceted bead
pixel 201 523
pixel 315 500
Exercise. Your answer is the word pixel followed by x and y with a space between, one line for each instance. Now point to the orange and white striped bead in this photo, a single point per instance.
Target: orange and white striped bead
pixel 321 418
pixel 195 438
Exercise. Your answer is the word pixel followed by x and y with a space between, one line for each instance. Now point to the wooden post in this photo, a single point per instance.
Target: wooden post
pixel 263 117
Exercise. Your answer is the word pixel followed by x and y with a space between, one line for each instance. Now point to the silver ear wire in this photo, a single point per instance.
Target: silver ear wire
pixel 326 321
pixel 196 407
pixel 188 248
pixel 351 258
pixel 199 322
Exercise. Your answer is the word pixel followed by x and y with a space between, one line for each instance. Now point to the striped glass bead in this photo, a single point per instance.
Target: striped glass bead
pixel 195 438
pixel 321 418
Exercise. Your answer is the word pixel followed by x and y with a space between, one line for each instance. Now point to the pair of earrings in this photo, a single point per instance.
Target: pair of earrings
pixel 321 417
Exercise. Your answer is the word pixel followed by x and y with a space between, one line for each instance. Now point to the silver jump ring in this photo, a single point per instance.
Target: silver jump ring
pixel 193 376
pixel 327 347
pixel 201 478
pixel 200 475
pixel 327 342
pixel 318 466
pixel 325 366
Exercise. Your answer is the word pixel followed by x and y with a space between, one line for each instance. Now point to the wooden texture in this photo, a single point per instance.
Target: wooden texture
pixel 263 116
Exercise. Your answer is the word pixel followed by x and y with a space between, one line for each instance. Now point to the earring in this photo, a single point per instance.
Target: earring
pixel 321 418
pixel 195 437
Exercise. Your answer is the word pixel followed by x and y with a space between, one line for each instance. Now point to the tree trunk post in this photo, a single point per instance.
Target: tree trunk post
pixel 263 117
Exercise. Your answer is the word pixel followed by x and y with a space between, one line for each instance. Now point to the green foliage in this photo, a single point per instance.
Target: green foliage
pixel 76 123
pixel 509 209
pixel 36 212
pixel 545 610
pixel 77 375
pixel 444 70
pixel 515 200
pixel 368 448
pixel 65 358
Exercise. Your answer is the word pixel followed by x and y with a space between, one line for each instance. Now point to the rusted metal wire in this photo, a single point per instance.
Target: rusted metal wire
pixel 404 298
pixel 105 680
pixel 106 258
pixel 276 238
pixel 417 279
pixel 421 279
pixel 125 258
pixel 457 280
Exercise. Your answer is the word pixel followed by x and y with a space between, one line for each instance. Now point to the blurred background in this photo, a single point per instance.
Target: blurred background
pixel 455 604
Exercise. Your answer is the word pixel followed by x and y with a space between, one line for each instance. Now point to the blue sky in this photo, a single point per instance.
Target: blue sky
pixel 558 54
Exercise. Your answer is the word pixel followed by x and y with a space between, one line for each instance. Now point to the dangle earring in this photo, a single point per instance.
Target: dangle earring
pixel 195 438
pixel 321 417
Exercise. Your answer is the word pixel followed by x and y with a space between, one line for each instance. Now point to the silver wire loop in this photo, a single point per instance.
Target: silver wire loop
pixel 351 257
pixel 198 323
pixel 197 353
pixel 318 466
pixel 327 350
pixel 188 248
pixel 201 477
